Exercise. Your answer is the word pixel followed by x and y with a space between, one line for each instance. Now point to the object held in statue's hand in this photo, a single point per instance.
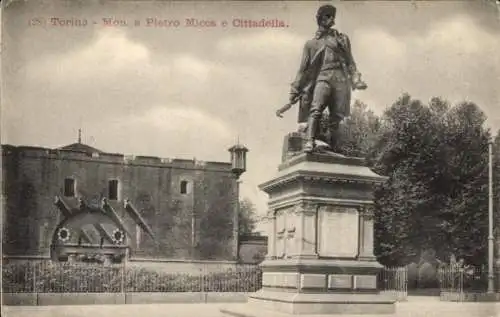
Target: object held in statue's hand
pixel 283 109
pixel 293 100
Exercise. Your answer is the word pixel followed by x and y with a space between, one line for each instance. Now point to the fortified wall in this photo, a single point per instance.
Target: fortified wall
pixel 152 207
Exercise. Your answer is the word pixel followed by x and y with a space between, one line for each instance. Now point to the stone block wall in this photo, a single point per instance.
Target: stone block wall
pixel 179 217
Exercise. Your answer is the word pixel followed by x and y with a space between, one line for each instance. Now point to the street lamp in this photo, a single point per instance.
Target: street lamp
pixel 491 274
pixel 238 167
pixel 238 159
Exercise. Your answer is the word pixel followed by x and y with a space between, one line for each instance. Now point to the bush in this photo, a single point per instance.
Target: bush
pixel 51 277
pixel 427 276
pixel 71 277
pixel 412 275
pixel 17 278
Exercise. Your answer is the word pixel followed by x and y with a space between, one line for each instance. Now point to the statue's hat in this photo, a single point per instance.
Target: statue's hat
pixel 326 9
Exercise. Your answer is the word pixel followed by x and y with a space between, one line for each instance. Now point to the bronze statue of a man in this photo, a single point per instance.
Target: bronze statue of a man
pixel 326 76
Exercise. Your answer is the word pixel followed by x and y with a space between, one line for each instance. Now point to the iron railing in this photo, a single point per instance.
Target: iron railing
pixel 460 283
pixel 394 281
pixel 74 277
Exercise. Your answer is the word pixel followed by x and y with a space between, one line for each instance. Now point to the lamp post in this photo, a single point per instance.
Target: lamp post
pixel 491 274
pixel 238 159
pixel 238 167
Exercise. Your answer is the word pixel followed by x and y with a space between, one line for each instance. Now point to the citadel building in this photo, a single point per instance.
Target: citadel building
pixel 80 203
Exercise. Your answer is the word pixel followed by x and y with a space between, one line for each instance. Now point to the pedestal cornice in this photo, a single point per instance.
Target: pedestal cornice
pixel 295 199
pixel 324 169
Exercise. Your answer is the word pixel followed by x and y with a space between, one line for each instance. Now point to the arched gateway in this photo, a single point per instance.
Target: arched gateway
pixel 90 234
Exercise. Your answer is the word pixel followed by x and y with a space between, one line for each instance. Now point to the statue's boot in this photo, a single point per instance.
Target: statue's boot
pixel 334 134
pixel 309 146
pixel 312 127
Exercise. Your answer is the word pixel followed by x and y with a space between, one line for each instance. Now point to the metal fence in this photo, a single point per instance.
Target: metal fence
pixel 394 281
pixel 458 279
pixel 53 277
pixel 463 284
pixel 71 277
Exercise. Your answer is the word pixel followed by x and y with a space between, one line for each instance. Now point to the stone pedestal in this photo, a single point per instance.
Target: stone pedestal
pixel 320 247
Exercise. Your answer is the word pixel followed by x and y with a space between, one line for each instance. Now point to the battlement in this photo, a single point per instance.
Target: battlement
pixel 97 156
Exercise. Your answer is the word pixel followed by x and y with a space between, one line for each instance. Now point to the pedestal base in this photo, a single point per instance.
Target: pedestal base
pixel 316 287
pixel 266 303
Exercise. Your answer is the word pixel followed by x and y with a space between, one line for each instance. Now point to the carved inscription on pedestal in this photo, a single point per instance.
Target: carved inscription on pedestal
pixel 338 231
pixel 337 281
pixel 365 282
pixel 280 279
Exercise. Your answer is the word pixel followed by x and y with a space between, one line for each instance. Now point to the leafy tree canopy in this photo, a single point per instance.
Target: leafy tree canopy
pixel 247 217
pixel 436 158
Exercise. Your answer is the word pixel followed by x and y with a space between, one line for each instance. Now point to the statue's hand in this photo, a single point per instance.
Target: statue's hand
pixel 294 97
pixel 357 82
pixel 360 85
pixel 279 113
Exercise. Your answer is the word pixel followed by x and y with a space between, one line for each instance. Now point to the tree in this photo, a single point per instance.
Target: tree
pixel 435 157
pixel 247 217
pixel 465 213
pixel 402 205
pixel 359 132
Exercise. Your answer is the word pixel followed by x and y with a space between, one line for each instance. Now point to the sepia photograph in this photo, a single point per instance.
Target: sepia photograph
pixel 250 158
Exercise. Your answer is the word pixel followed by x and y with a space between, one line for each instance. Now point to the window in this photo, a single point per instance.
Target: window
pixel 69 187
pixel 184 185
pixel 113 189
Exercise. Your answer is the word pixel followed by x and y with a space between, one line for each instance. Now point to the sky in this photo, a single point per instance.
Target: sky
pixel 192 92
